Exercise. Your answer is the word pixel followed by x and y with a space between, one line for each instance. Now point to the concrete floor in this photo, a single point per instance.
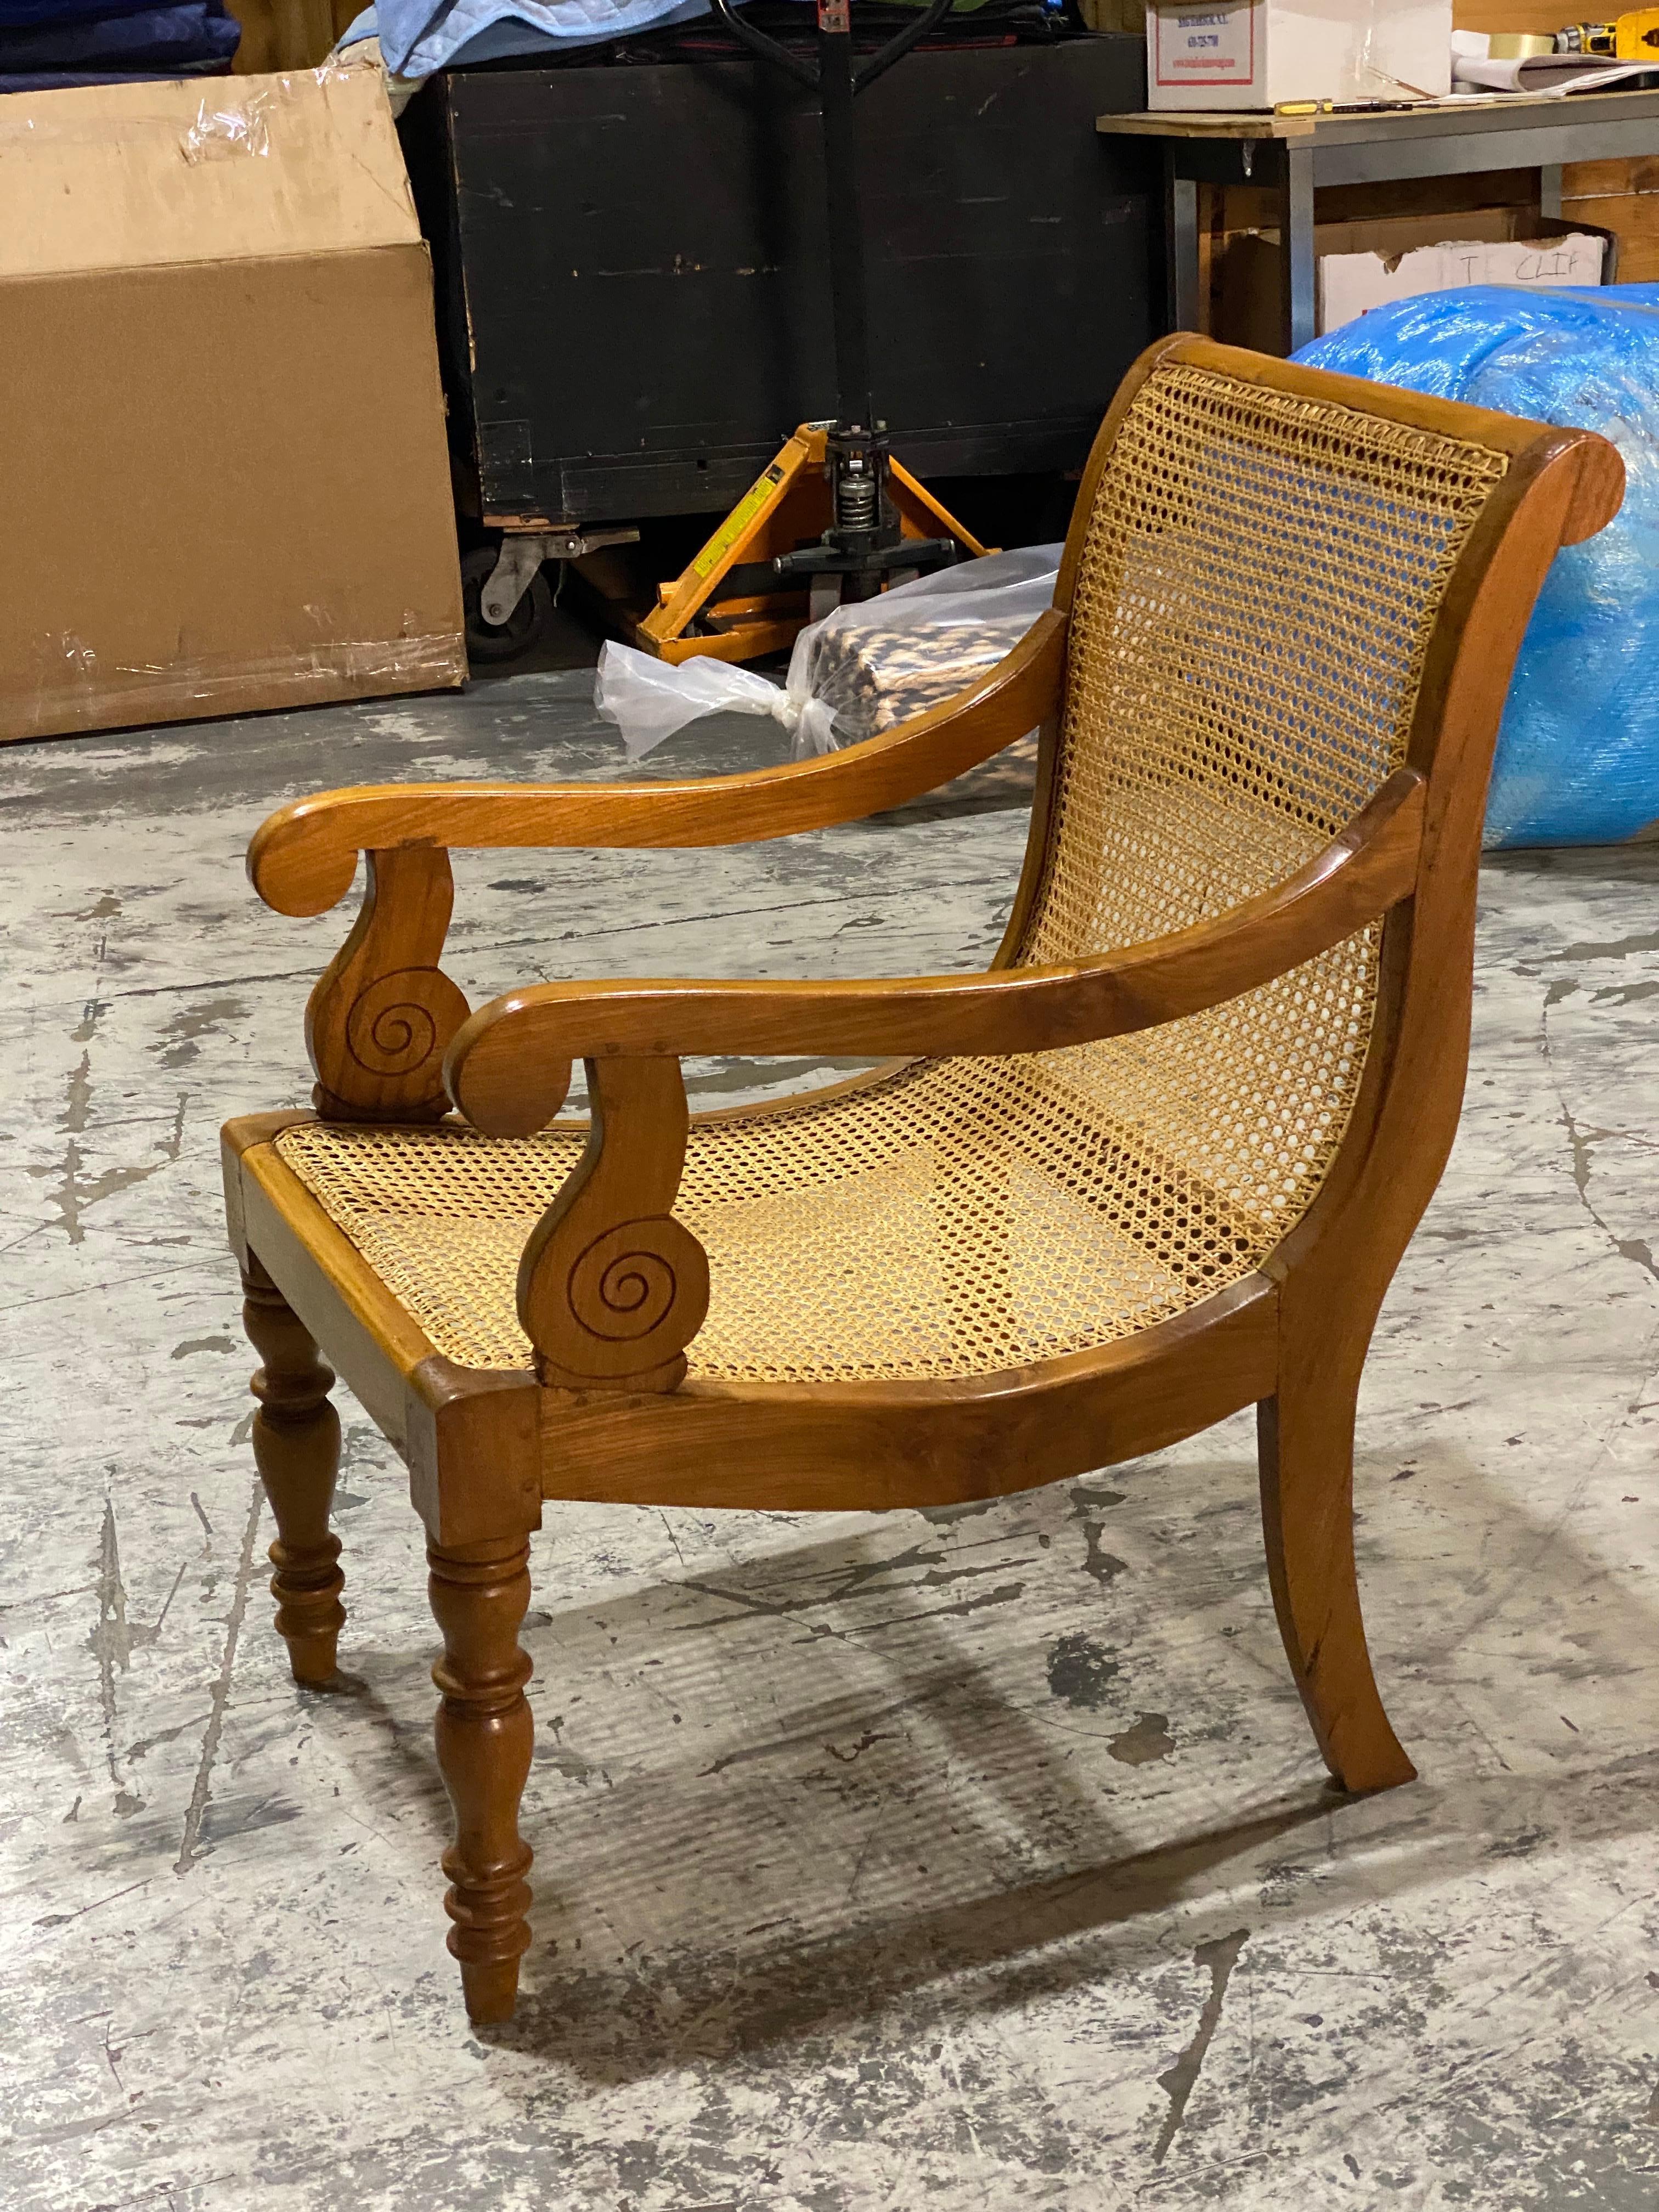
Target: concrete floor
pixel 978 1859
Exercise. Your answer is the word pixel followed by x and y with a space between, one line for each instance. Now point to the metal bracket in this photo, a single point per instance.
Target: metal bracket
pixel 522 554
pixel 834 18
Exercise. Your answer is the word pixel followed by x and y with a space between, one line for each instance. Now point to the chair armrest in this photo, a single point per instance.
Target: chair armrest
pixel 508 1066
pixel 303 858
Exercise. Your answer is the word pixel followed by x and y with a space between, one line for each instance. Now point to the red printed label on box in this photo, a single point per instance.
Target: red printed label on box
pixel 1205 45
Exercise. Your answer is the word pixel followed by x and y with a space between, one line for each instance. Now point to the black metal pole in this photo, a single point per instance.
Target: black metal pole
pixel 865 542
pixel 835 90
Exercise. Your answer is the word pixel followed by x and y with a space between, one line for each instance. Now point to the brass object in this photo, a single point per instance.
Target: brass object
pixel 1588 39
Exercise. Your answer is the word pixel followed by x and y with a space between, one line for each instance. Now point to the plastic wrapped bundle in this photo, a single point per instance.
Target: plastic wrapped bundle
pixel 859 670
pixel 1578 752
pixel 905 651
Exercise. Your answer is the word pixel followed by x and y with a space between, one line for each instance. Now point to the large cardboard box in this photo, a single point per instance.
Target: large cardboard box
pixel 1221 54
pixel 1363 265
pixel 222 459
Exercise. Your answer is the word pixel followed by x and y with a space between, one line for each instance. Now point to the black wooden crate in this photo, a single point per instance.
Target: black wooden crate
pixel 631 275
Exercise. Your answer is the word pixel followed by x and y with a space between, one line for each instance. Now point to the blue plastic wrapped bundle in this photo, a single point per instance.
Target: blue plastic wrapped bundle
pixel 1579 753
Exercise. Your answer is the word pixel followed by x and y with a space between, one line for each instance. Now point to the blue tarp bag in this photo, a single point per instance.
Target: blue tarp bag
pixel 1578 752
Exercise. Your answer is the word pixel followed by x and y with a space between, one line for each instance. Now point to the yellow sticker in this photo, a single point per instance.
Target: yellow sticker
pixel 737 522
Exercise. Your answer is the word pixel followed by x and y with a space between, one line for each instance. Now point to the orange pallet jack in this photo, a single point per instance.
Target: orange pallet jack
pixel 792 504
pixel 834 517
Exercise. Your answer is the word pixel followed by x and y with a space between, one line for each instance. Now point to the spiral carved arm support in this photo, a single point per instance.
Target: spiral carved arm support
pixel 383 1012
pixel 612 1288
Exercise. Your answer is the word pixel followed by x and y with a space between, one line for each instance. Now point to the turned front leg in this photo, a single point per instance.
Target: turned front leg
pixel 484 1730
pixel 297 1447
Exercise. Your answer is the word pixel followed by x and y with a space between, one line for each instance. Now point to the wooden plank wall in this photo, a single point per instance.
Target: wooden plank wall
pixel 289 34
pixel 1537 15
pixel 1622 197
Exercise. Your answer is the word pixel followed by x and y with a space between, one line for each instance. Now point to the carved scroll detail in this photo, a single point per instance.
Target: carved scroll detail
pixel 383 1012
pixel 612 1288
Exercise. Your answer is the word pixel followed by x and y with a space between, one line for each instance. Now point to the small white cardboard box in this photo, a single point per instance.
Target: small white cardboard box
pixel 1216 54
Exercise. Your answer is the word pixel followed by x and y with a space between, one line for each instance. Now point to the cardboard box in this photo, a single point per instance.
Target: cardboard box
pixel 1363 265
pixel 1352 282
pixel 227 483
pixel 1219 54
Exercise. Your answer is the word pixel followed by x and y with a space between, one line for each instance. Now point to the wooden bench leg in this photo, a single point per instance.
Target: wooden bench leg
pixel 479 1593
pixel 1305 1442
pixel 297 1447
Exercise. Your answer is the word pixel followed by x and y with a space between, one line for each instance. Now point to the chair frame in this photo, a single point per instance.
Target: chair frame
pixel 601 1417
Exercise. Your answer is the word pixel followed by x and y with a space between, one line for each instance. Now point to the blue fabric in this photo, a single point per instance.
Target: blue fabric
pixel 1578 751
pixel 185 31
pixel 515 28
pixel 64 80
pixel 26 14
pixel 420 36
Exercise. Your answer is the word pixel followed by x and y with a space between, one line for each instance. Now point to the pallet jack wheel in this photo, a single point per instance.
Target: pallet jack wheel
pixel 523 627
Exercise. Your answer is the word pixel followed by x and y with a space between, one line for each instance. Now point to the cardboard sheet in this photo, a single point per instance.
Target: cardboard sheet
pixel 1362 264
pixel 1351 283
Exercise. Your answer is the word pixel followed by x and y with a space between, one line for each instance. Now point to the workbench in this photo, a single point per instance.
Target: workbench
pixel 1295 155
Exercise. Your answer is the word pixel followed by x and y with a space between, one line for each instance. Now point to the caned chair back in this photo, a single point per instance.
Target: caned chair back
pixel 1253 583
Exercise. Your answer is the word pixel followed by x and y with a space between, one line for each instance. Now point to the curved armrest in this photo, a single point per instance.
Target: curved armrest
pixel 303 859
pixel 508 1066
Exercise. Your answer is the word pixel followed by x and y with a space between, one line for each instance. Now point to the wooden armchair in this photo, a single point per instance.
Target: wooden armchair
pixel 1158 1163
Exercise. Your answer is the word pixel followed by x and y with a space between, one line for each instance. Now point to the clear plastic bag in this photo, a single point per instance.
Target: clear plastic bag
pixel 1578 750
pixel 896 655
pixel 859 670
pixel 649 699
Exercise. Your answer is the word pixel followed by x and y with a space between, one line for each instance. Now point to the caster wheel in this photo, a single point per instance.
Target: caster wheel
pixel 528 622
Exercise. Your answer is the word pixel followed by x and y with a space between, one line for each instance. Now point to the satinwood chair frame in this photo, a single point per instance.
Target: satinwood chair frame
pixel 612 1287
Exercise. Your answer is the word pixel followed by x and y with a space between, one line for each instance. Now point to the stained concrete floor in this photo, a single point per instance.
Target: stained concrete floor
pixel 977 1859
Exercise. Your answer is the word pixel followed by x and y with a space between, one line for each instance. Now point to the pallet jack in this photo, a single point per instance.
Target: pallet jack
pixel 834 517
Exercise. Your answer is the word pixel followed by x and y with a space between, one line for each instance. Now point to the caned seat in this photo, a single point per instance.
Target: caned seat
pixel 954 1219
pixel 1157 1164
